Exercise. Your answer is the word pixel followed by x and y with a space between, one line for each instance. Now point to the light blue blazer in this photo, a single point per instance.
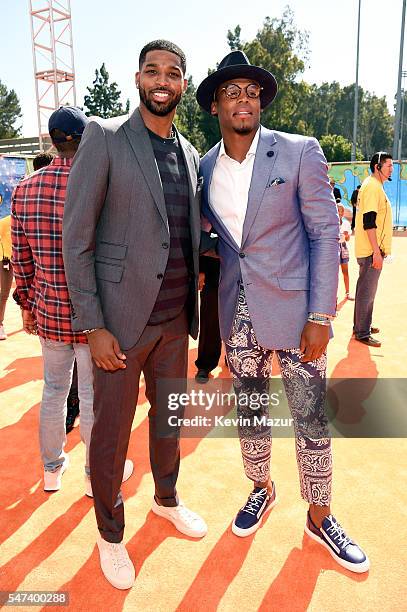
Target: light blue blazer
pixel 289 257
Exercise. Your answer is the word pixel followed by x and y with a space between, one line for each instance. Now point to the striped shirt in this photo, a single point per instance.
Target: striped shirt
pixel 36 230
pixel 175 286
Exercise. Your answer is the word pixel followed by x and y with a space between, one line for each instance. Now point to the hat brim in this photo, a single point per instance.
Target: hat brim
pixel 264 78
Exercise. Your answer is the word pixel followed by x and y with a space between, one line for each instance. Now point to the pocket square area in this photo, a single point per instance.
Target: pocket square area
pixel 278 180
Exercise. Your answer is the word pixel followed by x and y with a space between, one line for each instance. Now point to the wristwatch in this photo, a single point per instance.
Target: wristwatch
pixel 320 319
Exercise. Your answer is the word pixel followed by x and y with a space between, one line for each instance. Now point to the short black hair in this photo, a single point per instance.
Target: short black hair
pixel 41 160
pixel 382 155
pixel 163 45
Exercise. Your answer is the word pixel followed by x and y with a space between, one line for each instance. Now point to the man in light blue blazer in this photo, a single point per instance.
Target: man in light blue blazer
pixel 267 196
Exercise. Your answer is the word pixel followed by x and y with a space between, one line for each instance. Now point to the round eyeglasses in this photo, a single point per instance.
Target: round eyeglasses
pixel 233 91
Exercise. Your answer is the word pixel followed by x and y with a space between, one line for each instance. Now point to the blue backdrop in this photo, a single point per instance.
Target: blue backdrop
pixel 348 176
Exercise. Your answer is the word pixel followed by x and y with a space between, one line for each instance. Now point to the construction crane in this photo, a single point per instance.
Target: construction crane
pixel 54 71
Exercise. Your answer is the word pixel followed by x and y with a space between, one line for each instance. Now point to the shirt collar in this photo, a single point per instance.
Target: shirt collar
pixel 251 151
pixel 61 161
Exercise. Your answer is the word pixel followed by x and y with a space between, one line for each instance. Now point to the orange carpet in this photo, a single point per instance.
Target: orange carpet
pixel 47 541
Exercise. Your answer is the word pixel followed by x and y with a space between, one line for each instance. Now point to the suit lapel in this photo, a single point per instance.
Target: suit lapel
pixel 262 168
pixel 207 184
pixel 139 140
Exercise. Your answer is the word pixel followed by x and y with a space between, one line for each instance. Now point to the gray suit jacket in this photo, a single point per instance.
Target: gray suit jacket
pixel 289 257
pixel 115 229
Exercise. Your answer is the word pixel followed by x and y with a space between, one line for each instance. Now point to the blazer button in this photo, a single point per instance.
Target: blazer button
pixel 160 276
pixel 242 255
pixel 165 245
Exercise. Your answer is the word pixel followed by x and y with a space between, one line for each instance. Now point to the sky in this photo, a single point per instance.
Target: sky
pixel 114 31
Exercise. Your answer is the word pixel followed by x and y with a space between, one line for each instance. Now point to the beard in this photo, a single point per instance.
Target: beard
pixel 159 109
pixel 246 126
pixel 243 130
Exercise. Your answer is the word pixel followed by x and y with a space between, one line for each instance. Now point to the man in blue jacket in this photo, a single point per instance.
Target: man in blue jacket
pixel 267 196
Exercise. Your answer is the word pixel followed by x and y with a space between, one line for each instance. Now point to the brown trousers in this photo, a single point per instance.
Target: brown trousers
pixel 161 353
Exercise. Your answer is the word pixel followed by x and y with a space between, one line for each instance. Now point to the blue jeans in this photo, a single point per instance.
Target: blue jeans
pixel 58 367
pixel 366 288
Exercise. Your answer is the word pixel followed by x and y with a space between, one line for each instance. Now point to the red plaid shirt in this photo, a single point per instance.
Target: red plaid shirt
pixel 36 230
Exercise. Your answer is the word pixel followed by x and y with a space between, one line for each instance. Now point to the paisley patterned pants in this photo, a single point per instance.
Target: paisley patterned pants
pixel 305 387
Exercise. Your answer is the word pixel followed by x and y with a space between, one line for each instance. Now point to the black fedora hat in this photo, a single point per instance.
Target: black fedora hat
pixel 236 65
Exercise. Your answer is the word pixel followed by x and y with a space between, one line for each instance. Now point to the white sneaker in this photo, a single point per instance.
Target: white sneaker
pixel 186 521
pixel 52 480
pixel 127 472
pixel 3 335
pixel 116 564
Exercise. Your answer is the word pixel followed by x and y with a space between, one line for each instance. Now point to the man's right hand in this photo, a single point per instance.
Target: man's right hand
pixel 377 261
pixel 105 350
pixel 201 281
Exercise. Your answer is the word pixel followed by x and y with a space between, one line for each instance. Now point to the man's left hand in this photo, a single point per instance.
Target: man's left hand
pixel 314 340
pixel 29 322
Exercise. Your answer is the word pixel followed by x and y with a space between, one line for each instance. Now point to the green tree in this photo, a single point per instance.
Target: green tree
pixel 104 97
pixel 404 125
pixel 283 50
pixel 376 131
pixel 337 148
pixel 10 112
pixel 234 40
pixel 328 109
pixel 187 118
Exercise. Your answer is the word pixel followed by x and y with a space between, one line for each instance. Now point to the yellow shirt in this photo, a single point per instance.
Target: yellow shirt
pixel 372 197
pixel 5 238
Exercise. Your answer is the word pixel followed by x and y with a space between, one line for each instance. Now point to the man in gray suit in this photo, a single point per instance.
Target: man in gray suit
pixel 267 196
pixel 131 249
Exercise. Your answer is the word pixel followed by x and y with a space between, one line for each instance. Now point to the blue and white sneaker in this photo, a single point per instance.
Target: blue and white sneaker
pixel 249 518
pixel 344 550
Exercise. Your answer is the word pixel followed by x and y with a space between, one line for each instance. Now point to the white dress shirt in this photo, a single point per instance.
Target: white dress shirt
pixel 230 186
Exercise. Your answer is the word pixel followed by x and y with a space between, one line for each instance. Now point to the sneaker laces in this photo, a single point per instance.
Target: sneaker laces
pixel 338 534
pixel 118 555
pixel 255 501
pixel 186 515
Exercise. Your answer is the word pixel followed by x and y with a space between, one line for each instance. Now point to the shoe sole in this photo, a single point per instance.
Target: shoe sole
pixel 115 585
pixel 187 532
pixel 378 345
pixel 64 468
pixel 357 568
pixel 243 533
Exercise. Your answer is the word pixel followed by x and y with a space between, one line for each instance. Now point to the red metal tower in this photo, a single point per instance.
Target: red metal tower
pixel 54 72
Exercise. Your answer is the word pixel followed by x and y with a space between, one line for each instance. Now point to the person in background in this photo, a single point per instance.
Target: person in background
pixel 6 271
pixel 72 403
pixel 210 343
pixel 373 241
pixel 41 292
pixel 336 190
pixel 41 160
pixel 353 201
pixel 345 232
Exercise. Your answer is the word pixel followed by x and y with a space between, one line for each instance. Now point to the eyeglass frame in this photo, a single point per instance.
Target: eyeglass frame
pixel 241 89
